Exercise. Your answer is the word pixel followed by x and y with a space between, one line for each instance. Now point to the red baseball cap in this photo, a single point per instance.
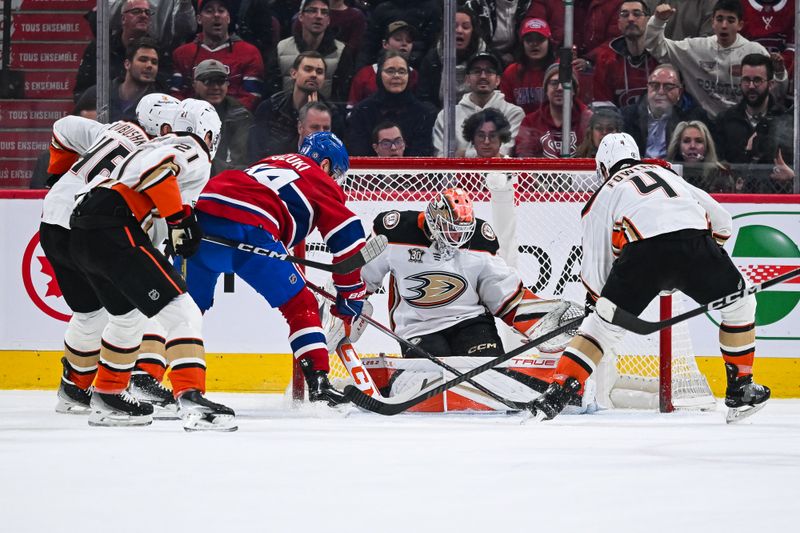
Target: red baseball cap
pixel 535 26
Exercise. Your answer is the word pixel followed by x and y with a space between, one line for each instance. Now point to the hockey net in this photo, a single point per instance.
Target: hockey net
pixel 543 214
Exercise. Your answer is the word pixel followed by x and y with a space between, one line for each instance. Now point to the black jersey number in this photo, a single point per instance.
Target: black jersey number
pixel 107 161
pixel 657 183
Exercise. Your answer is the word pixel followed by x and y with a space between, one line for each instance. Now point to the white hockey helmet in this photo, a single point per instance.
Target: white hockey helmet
pixel 198 117
pixel 614 148
pixel 154 110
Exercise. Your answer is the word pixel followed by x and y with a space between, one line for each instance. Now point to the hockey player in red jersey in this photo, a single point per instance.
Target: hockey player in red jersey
pixel 275 204
pixel 448 283
pixel 646 230
pixel 134 280
pixel 80 150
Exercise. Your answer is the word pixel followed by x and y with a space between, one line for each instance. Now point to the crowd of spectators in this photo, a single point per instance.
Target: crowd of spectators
pixel 701 83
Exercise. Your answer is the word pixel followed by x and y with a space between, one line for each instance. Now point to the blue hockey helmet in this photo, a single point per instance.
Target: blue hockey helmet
pixel 323 145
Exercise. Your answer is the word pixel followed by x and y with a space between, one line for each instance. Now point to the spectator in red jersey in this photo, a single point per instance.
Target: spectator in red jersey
pixel 595 24
pixel 693 18
pixel 399 37
pixel 347 24
pixel 540 132
pixel 314 34
pixel 387 140
pixel 393 101
pixel 468 43
pixel 522 80
pixel 246 76
pixel 623 65
pixel 771 24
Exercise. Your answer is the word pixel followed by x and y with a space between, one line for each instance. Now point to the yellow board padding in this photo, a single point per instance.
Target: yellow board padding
pixel 27 369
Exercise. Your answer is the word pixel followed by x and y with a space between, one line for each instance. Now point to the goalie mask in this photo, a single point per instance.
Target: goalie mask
pixel 450 219
pixel 155 110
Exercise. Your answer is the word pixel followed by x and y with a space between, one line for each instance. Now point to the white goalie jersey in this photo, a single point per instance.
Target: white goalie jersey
pixel 89 149
pixel 427 294
pixel 639 202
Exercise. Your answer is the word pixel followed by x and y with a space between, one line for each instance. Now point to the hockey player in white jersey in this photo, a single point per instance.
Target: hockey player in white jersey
pixel 80 150
pixel 448 283
pixel 646 230
pixel 133 279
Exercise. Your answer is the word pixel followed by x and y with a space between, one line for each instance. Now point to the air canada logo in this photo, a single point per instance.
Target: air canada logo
pixel 434 289
pixel 762 252
pixel 40 282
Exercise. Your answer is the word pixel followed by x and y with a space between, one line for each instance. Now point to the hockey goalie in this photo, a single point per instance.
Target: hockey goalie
pixel 447 285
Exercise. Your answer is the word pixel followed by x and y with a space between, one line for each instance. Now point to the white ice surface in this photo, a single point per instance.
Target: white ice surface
pixel 309 470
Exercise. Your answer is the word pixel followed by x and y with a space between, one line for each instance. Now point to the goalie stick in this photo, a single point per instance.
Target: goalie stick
pixel 393 406
pixel 608 310
pixel 516 406
pixel 370 251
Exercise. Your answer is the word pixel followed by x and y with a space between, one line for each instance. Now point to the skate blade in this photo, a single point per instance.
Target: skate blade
pixel 528 416
pixel 166 412
pixel 209 422
pixel 99 419
pixel 737 414
pixel 69 408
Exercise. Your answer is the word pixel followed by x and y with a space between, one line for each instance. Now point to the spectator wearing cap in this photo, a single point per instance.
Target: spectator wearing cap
pixel 522 80
pixel 595 24
pixel 499 21
pixel 399 37
pixel 483 77
pixel 246 69
pixel 135 18
pixel 485 133
pixel 347 24
pixel 275 130
pixel 393 101
pixel 387 140
pixel 424 15
pixel 314 34
pixel 540 133
pixel 653 118
pixel 211 84
pixel 468 43
pixel 623 64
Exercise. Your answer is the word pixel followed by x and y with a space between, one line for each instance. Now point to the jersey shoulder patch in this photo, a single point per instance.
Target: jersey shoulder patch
pixel 484 239
pixel 400 227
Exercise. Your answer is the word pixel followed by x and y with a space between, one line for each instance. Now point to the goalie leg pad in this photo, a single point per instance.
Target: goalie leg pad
pixel 306 335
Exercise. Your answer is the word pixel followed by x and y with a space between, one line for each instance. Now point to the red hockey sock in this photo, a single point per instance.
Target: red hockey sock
pixel 306 336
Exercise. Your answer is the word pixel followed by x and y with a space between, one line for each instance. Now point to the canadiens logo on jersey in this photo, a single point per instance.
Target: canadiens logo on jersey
pixel 415 255
pixel 435 289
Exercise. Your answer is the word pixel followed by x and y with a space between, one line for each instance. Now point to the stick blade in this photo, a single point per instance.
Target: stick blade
pixel 608 311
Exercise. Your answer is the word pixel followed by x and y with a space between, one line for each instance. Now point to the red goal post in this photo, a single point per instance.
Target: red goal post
pixel 538 223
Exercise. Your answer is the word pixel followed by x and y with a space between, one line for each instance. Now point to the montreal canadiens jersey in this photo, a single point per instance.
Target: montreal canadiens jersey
pixel 639 202
pixel 289 196
pixel 98 149
pixel 427 294
pixel 159 178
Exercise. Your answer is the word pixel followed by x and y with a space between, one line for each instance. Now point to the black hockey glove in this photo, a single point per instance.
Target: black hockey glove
pixel 184 232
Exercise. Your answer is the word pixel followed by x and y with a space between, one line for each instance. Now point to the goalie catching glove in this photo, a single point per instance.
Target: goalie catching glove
pixel 533 316
pixel 184 232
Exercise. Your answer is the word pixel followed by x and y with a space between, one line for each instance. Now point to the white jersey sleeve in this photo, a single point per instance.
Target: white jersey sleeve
pixel 636 203
pixel 76 134
pixel 720 219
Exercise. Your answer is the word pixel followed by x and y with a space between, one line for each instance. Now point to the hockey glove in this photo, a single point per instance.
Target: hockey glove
pixel 349 302
pixel 184 232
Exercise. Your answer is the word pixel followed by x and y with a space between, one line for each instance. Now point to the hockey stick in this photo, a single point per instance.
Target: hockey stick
pixel 370 251
pixel 393 406
pixel 371 321
pixel 609 311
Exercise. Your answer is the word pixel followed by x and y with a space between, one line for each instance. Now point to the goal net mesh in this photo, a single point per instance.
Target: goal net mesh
pixel 545 208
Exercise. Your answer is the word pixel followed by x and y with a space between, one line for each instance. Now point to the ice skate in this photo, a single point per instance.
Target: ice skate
pixel 743 396
pixel 319 387
pixel 554 399
pixel 201 414
pixel 146 388
pixel 72 400
pixel 119 410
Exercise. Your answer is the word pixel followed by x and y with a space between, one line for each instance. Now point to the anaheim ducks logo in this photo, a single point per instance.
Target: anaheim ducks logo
pixel 435 289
